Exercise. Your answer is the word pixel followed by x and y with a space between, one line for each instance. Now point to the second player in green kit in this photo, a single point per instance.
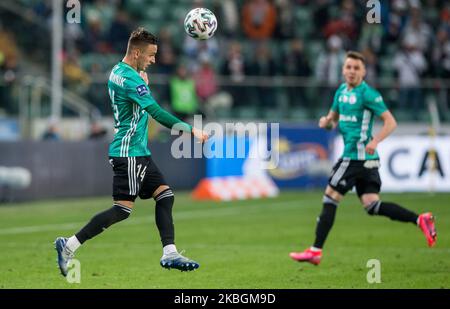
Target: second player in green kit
pixel 354 108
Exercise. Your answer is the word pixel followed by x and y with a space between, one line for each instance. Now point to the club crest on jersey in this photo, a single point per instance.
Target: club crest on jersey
pixel 343 98
pixel 350 99
pixel 142 90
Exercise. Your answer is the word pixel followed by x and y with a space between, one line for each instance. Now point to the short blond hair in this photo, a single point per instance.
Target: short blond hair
pixel 140 37
pixel 356 55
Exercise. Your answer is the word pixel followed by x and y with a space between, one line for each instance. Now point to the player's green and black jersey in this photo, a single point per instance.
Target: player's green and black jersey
pixel 356 109
pixel 132 103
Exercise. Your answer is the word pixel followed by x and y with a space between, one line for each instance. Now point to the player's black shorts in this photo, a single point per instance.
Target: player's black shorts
pixel 362 174
pixel 135 176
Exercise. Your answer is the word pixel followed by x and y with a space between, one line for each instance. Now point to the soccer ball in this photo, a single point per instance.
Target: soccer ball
pixel 200 23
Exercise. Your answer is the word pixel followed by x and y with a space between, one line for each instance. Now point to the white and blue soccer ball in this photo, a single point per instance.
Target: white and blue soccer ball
pixel 200 23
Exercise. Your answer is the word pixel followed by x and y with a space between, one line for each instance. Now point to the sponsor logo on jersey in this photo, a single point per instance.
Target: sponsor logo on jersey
pixel 346 118
pixel 352 99
pixel 142 90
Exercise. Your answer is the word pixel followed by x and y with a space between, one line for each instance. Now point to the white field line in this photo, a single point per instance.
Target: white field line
pixel 184 215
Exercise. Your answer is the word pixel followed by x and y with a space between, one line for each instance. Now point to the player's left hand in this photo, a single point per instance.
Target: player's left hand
pixel 371 146
pixel 201 135
pixel 144 76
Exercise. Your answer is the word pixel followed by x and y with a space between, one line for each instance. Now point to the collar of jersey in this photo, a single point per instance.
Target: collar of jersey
pixel 132 69
pixel 346 87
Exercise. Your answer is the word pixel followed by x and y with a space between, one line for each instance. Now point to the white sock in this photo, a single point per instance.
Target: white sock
pixel 72 243
pixel 169 249
pixel 314 249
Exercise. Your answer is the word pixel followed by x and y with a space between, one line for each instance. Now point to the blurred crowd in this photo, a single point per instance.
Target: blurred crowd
pixel 303 39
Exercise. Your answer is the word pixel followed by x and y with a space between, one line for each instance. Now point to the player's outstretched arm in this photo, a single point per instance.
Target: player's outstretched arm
pixel 389 125
pixel 329 121
pixel 168 120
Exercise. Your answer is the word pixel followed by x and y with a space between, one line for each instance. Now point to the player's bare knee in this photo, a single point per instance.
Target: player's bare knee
pixel 159 190
pixel 333 194
pixel 369 199
pixel 127 204
pixel 164 195
pixel 373 207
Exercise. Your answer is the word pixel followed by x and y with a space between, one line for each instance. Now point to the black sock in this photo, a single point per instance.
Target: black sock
pixel 103 220
pixel 325 221
pixel 163 217
pixel 392 211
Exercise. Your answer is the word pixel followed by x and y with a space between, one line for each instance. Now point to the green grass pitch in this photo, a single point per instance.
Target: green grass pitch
pixel 243 244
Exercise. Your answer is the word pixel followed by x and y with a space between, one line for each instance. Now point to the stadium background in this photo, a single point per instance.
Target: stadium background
pixel 284 72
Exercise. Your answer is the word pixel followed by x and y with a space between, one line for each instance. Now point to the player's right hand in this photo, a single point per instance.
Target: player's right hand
pixel 144 76
pixel 200 134
pixel 324 123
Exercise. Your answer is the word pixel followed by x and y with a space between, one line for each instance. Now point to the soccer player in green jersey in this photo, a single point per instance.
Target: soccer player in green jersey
pixel 354 107
pixel 135 174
